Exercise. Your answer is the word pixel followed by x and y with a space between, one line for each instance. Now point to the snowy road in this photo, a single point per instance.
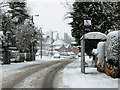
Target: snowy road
pixel 51 73
pixel 34 76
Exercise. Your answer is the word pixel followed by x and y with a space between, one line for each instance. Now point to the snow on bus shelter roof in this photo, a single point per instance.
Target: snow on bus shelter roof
pixel 94 35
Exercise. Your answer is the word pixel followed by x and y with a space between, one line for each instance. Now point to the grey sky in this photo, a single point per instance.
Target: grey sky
pixel 51 15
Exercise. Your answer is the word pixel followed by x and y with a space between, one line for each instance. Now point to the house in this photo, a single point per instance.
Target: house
pixel 63 46
pixel 75 50
pixel 59 45
pixel 69 48
pixel 60 48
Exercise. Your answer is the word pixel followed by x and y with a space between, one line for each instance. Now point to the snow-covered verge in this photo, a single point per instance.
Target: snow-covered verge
pixel 73 78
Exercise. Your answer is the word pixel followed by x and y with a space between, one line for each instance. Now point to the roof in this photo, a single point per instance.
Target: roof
pixel 57 47
pixel 59 42
pixel 94 35
pixel 68 46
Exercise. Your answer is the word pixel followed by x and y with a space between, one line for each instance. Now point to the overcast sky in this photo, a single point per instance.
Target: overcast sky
pixel 51 15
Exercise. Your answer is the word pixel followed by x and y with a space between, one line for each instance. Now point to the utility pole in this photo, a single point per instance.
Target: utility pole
pixel 32 51
pixel 41 43
pixel 33 55
pixel 52 44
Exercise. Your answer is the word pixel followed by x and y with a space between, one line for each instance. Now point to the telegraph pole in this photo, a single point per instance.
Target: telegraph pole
pixel 33 55
pixel 41 43
pixel 52 44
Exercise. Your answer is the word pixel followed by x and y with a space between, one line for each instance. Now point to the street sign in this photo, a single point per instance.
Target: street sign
pixel 87 22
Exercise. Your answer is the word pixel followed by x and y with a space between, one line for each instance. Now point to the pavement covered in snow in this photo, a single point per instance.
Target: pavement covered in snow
pixel 73 78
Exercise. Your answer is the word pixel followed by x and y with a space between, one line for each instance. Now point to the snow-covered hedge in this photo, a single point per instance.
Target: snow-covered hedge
pixel 101 54
pixel 113 48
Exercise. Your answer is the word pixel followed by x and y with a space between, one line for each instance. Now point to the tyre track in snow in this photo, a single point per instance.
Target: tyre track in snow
pixel 50 76
pixel 11 81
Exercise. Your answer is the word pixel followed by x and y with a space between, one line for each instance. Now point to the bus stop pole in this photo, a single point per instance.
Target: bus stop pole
pixel 83 54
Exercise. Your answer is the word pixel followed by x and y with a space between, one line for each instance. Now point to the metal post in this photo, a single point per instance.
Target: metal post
pixel 83 54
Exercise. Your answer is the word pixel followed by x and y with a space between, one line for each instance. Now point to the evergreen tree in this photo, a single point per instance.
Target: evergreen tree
pixel 25 31
pixel 101 15
pixel 9 39
pixel 19 16
pixel 0 19
pixel 8 25
pixel 18 11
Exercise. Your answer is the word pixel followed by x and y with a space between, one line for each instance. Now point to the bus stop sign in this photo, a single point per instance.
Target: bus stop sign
pixel 87 22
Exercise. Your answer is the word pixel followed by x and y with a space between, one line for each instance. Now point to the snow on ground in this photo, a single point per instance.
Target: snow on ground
pixel 13 66
pixel 8 69
pixel 47 58
pixel 73 78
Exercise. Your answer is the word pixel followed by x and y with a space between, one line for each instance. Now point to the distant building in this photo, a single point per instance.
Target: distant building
pixel 60 48
pixel 59 45
pixel 69 48
pixel 63 46
pixel 75 50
